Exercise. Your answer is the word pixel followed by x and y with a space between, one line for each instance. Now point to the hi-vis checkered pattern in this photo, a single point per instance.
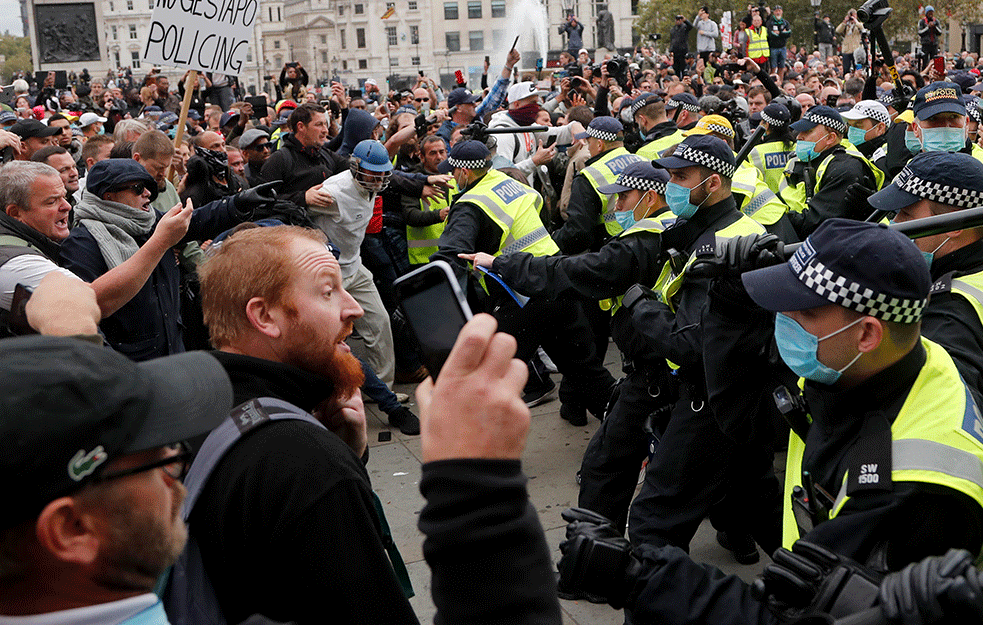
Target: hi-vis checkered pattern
pixel 671 104
pixel 849 294
pixel 709 161
pixel 720 130
pixel 941 193
pixel 476 164
pixel 642 184
pixel 603 135
pixel 771 121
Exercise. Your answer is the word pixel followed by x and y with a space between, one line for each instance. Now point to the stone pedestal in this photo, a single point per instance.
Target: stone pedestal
pixel 67 35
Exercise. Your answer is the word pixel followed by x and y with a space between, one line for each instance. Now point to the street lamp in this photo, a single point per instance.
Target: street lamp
pixel 815 4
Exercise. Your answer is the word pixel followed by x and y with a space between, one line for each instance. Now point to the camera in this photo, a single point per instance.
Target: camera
pixel 618 69
pixel 871 10
pixel 733 112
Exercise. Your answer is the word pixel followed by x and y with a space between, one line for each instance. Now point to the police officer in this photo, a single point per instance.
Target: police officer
pixel 690 113
pixel 659 132
pixel 817 179
pixel 888 470
pixel 753 196
pixel 867 125
pixel 939 183
pixel 776 148
pixel 497 215
pixel 591 216
pixel 609 473
pixel 940 120
pixel 425 217
pixel 693 462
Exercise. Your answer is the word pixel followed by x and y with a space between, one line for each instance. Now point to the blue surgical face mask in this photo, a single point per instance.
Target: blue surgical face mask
pixel 806 150
pixel 912 142
pixel 930 256
pixel 799 349
pixel 943 139
pixel 626 219
pixel 856 136
pixel 677 197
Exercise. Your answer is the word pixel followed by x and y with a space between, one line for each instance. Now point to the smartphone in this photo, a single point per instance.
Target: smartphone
pixel 436 310
pixel 354 94
pixel 17 318
pixel 259 106
pixel 939 64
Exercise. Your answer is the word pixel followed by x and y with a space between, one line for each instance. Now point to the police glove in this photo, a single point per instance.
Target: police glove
pixel 249 201
pixel 855 202
pixel 940 587
pixel 597 563
pixel 810 579
pixel 738 255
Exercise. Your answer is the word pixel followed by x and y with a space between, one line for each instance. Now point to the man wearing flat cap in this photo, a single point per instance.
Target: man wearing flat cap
pixel 497 215
pixel 609 473
pixel 818 178
pixel 116 222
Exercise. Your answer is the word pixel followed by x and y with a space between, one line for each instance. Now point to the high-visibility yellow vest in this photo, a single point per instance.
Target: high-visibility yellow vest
pixel 605 171
pixel 970 287
pixel 795 195
pixel 977 152
pixel 758 202
pixel 770 159
pixel 757 45
pixel 421 241
pixel 653 149
pixel 656 223
pixel 937 438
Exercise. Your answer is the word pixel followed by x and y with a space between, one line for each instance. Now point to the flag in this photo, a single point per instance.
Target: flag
pixel 389 13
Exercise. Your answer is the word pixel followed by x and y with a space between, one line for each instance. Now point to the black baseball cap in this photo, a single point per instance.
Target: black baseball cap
pixel 71 406
pixel 938 97
pixel 461 96
pixel 704 150
pixel 862 266
pixel 27 128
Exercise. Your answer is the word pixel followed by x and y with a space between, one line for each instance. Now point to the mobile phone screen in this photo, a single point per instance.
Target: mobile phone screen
pixel 940 64
pixel 435 313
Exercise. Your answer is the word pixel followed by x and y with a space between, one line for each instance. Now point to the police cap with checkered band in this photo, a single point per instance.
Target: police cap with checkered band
pixel 641 175
pixel 863 266
pixel 950 178
pixel 605 128
pixel 868 109
pixel 704 151
pixel 466 155
pixel 711 123
pixel 938 97
pixel 820 116
pixel 686 100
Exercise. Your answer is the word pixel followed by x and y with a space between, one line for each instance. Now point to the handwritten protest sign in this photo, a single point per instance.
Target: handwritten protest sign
pixel 203 35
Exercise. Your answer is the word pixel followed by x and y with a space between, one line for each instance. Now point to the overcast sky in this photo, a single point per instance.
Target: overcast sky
pixel 10 17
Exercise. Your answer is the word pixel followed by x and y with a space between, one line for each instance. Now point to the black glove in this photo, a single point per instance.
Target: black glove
pixel 937 588
pixel 248 201
pixel 636 294
pixel 855 202
pixel 738 255
pixel 812 579
pixel 597 562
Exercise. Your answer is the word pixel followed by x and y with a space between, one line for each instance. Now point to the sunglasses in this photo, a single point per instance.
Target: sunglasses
pixel 175 466
pixel 137 188
pixel 422 99
pixel 259 147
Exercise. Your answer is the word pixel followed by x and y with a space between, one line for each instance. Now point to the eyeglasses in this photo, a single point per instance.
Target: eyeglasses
pixel 175 466
pixel 137 188
pixel 422 99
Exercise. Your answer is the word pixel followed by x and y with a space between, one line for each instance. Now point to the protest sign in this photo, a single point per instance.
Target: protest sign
pixel 203 35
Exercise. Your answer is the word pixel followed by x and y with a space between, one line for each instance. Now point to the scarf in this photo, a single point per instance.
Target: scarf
pixel 114 226
pixel 525 115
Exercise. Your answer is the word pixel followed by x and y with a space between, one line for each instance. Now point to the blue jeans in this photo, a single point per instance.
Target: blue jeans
pixel 378 391
pixel 778 56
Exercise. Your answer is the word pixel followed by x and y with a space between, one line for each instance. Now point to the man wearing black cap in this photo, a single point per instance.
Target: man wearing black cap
pixel 886 471
pixel 817 179
pixel 658 131
pixel 689 113
pixel 93 449
pixel 939 183
pixel 609 473
pixel 940 120
pixel 116 223
pixel 34 135
pixel 693 462
pixel 496 215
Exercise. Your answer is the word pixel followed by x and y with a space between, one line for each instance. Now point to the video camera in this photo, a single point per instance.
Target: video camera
pixel 873 13
pixel 618 69
pixel 733 112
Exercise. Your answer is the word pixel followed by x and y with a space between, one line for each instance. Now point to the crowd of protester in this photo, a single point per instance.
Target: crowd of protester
pixel 209 275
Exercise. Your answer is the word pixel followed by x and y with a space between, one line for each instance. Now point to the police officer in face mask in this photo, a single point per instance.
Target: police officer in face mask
pixel 940 121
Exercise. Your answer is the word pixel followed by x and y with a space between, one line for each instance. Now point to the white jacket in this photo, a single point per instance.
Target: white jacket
pixel 520 147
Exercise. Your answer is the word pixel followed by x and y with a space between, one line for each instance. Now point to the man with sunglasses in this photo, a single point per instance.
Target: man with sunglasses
pixel 256 148
pixel 116 222
pixel 92 517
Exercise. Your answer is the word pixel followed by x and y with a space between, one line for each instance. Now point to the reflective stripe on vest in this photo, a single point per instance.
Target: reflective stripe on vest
pixel 655 224
pixel 757 46
pixel 605 171
pixel 937 438
pixel 652 150
pixel 971 288
pixel 422 241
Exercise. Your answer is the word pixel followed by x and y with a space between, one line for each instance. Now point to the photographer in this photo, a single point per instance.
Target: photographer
pixel 929 31
pixel 825 36
pixel 574 31
pixel 293 82
pixel 851 31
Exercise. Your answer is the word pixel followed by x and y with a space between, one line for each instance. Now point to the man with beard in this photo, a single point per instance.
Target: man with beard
pixel 290 501
pixel 92 446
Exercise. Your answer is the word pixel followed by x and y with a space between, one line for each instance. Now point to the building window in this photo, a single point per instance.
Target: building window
pixel 249 55
pixel 111 9
pixel 477 40
pixel 279 17
pixel 390 5
pixel 133 31
pixel 453 41
pixel 414 35
pixel 115 32
pixel 450 10
pixel 412 5
pixel 344 65
pixel 359 9
pixel 341 10
pixel 416 61
pixel 634 7
pixel 278 61
pixel 391 38
pixel 116 56
pixel 474 9
pixel 497 36
pixel 151 3
pixel 341 35
pixel 498 8
pixel 363 64
pixel 324 39
pixel 324 56
pixel 276 44
pixel 129 5
pixel 394 62
pixel 360 37
pixel 135 59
